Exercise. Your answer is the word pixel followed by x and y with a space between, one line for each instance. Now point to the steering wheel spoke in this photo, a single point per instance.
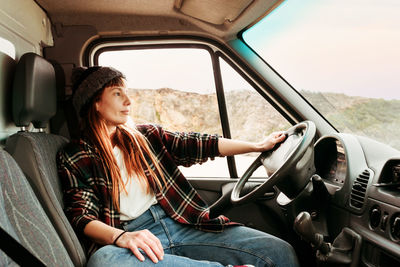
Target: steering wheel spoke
pixel 235 196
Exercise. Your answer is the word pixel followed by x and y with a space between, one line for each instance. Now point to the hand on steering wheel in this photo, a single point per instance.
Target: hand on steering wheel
pixel 289 166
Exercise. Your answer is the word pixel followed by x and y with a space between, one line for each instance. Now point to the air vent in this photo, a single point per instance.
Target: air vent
pixel 359 188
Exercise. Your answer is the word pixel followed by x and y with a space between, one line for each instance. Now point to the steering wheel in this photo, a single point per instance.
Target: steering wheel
pixel 289 165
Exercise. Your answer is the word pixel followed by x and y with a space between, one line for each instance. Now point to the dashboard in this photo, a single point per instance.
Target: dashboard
pixel 363 178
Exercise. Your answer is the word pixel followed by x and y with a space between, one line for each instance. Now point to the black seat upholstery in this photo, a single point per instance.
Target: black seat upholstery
pixel 34 101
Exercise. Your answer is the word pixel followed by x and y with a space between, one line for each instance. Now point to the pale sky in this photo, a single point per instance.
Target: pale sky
pixel 345 46
pixel 349 46
pixel 182 69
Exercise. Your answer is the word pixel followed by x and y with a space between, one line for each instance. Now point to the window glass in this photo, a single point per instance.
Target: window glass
pixel 173 87
pixel 342 56
pixel 251 117
pixel 7 48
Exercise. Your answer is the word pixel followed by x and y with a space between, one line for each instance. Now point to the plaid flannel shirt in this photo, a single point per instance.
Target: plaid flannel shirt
pixel 87 188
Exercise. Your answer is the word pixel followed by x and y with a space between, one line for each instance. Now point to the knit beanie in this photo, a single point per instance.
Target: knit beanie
pixel 87 82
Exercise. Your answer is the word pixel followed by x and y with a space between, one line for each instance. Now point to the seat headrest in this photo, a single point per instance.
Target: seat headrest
pixel 34 91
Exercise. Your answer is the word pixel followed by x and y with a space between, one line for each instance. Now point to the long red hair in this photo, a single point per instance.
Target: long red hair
pixel 134 146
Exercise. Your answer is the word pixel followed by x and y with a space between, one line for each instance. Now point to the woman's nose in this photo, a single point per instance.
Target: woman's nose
pixel 127 100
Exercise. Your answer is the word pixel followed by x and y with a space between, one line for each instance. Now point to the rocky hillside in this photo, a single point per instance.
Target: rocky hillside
pixel 251 117
pixel 176 110
pixel 371 117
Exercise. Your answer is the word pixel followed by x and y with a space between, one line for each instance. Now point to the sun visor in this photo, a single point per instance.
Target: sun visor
pixel 221 11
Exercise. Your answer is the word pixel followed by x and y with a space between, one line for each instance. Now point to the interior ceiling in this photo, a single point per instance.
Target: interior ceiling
pixel 220 18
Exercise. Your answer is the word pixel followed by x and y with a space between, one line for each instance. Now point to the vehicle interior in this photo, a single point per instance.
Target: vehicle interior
pixel 333 194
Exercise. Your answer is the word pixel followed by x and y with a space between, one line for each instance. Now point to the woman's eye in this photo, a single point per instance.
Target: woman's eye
pixel 117 94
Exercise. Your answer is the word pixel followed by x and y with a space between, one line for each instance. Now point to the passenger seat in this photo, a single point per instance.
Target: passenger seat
pixel 34 100
pixel 22 217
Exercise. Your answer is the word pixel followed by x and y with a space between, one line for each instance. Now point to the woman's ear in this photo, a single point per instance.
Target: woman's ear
pixel 97 105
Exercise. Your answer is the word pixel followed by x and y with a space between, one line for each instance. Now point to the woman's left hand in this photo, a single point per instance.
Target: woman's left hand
pixel 270 141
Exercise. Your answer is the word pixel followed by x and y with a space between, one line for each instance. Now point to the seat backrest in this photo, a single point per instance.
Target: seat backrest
pixel 35 152
pixel 22 217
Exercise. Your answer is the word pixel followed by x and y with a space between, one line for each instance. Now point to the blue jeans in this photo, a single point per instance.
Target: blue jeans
pixel 186 246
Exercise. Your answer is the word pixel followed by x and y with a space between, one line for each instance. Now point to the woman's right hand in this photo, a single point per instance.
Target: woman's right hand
pixel 144 240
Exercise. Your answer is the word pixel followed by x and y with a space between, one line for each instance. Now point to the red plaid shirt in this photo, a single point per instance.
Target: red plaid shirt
pixel 87 189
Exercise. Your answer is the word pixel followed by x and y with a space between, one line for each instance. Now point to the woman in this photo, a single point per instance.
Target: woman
pixel 127 199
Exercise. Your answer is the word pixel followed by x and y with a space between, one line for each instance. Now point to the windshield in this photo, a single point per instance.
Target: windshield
pixel 342 56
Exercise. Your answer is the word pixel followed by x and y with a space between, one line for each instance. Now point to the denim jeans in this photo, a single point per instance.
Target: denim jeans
pixel 186 246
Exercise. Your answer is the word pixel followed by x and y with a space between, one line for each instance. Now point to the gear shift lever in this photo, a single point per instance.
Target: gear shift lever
pixel 305 228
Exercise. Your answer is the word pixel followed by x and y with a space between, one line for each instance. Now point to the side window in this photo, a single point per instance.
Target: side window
pixel 7 47
pixel 251 117
pixel 173 87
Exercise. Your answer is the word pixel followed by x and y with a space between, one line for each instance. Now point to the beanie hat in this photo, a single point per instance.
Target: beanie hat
pixel 87 82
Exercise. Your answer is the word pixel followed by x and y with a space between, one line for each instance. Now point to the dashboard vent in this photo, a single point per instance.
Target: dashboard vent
pixel 359 188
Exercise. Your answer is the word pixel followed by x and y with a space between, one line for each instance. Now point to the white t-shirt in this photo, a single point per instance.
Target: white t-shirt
pixel 137 201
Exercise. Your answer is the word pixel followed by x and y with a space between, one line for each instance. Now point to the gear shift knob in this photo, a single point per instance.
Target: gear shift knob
pixel 304 227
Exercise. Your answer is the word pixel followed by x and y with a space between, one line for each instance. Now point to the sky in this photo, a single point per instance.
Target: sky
pixel 7 47
pixel 181 69
pixel 348 46
pixel 343 46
